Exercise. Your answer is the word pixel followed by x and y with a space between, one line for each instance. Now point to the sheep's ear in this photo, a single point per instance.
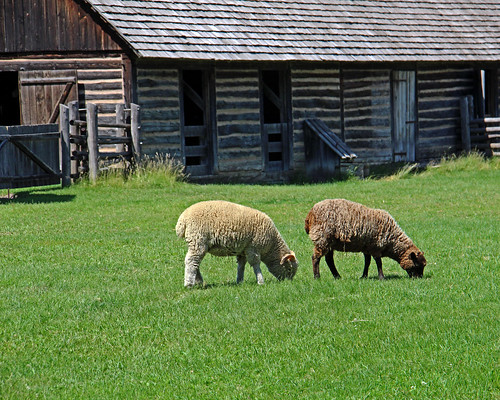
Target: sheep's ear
pixel 413 256
pixel 289 257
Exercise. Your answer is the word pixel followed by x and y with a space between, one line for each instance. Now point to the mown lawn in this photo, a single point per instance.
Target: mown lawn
pixel 92 303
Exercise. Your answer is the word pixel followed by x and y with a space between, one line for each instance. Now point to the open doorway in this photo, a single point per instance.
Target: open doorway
pixel 10 112
pixel 196 121
pixel 487 88
pixel 275 119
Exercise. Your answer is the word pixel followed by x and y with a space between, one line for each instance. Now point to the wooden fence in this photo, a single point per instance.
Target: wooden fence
pixel 29 156
pixel 84 144
pixel 481 134
pixel 38 155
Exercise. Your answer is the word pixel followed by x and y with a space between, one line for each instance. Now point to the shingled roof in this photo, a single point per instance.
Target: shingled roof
pixel 310 30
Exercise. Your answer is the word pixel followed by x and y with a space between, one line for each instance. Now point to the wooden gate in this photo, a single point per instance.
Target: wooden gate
pixel 404 115
pixel 29 156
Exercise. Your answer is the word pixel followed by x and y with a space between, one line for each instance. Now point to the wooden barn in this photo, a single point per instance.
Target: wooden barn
pixel 259 90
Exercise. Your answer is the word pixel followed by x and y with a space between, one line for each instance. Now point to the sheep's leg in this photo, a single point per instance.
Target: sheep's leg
pixel 368 258
pixel 378 260
pixel 192 275
pixel 254 260
pixel 316 258
pixel 258 273
pixel 331 264
pixel 242 260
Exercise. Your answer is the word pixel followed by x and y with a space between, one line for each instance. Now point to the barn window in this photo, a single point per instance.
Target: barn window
pixel 10 112
pixel 196 124
pixel 275 117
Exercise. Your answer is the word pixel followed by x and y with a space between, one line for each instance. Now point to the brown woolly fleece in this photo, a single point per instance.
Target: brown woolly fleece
pixel 343 225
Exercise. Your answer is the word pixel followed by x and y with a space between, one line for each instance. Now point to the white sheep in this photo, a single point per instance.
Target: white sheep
pixel 222 228
pixel 342 225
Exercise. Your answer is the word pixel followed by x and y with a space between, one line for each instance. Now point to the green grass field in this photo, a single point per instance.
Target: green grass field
pixel 92 303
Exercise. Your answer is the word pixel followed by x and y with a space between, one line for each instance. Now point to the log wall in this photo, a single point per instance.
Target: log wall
pixel 239 141
pixel 439 93
pixel 158 97
pixel 367 114
pixel 315 94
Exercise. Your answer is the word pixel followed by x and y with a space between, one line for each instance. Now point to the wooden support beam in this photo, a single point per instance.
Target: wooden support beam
pixel 92 141
pixel 465 123
pixel 135 123
pixel 65 146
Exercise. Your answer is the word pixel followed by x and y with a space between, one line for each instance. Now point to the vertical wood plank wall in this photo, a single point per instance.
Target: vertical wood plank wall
pixel 439 92
pixel 238 120
pixel 367 114
pixel 158 96
pixel 315 94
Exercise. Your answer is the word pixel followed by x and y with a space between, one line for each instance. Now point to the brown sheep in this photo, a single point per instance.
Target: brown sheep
pixel 347 226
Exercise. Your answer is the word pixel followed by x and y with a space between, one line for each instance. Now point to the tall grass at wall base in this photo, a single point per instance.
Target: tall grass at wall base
pixel 149 171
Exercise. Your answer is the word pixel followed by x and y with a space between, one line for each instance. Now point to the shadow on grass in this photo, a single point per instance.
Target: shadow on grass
pixel 36 197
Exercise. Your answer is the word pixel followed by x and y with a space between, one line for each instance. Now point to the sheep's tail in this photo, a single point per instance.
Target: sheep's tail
pixel 180 228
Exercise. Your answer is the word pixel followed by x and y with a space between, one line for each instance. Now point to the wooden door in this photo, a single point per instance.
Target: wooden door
pixel 196 122
pixel 41 93
pixel 404 115
pixel 275 117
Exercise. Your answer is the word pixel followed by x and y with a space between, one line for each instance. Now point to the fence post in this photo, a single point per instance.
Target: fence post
pixel 65 145
pixel 120 119
pixel 92 141
pixel 465 122
pixel 74 115
pixel 135 131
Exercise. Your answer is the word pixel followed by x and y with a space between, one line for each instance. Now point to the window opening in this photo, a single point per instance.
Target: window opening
pixel 271 84
pixel 10 110
pixel 193 98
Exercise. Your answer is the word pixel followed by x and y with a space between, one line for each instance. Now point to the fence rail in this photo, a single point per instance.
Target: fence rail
pixel 479 133
pixel 84 140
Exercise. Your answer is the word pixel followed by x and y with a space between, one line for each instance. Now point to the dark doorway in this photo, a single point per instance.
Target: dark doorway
pixel 196 123
pixel 10 112
pixel 486 99
pixel 275 117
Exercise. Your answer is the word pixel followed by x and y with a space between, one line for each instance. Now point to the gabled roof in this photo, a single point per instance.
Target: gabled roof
pixel 312 30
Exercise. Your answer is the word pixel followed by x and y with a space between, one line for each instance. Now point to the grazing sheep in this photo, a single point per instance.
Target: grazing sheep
pixel 222 228
pixel 343 225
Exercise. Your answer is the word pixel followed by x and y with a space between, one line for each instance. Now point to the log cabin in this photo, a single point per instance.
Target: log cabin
pixel 234 88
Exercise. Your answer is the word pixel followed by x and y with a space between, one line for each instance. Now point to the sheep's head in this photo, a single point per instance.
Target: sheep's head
pixel 289 265
pixel 413 263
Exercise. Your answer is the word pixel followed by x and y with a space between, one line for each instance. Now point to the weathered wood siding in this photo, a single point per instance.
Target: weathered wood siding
pixel 315 94
pixel 103 87
pixel 367 114
pixel 439 93
pixel 158 97
pixel 100 80
pixel 28 26
pixel 238 120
